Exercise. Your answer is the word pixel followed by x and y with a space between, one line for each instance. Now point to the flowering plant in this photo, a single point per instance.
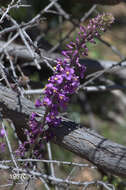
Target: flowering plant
pixel 62 84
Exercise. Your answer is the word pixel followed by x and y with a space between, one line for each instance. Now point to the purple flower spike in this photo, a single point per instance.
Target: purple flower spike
pixel 62 84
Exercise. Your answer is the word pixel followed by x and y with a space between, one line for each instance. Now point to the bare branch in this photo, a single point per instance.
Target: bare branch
pixel 56 180
pixel 105 154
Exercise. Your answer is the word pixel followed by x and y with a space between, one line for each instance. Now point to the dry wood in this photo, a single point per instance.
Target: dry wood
pixel 105 154
pixel 21 52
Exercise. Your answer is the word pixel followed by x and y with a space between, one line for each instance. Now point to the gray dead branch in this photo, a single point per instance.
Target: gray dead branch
pixel 93 66
pixel 105 154
pixel 21 52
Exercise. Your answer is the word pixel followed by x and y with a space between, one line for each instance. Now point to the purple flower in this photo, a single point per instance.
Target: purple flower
pixel 82 70
pixel 49 86
pixel 63 100
pixel 33 115
pixel 2 133
pixel 54 108
pixel 68 73
pixel 33 124
pixel 75 53
pixel 82 29
pixel 50 89
pixel 21 149
pixel 67 53
pixel 57 122
pixel 52 120
pixel 38 103
pixel 47 101
pixel 59 68
pixel 58 79
pixel 69 46
pixel 70 87
pixel 77 40
pixel 2 147
pixel 50 117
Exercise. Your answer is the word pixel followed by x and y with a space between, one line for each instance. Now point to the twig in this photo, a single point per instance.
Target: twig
pixel 100 73
pixel 45 184
pixel 55 180
pixel 51 164
pixel 51 161
pixel 9 147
